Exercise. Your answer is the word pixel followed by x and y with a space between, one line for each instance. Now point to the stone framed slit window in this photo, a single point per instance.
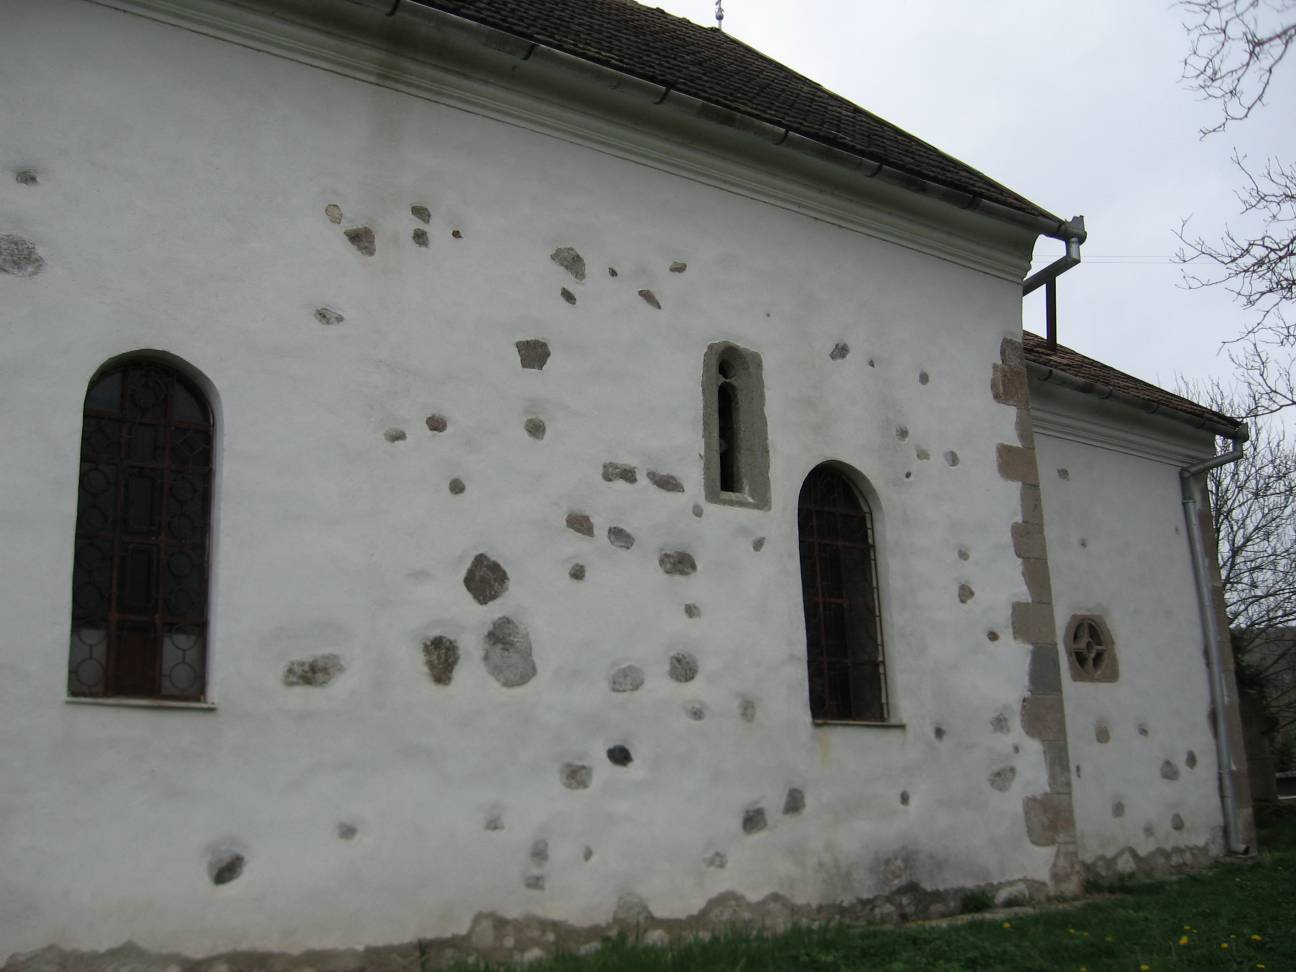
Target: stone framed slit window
pixel 842 601
pixel 1091 650
pixel 736 440
pixel 140 560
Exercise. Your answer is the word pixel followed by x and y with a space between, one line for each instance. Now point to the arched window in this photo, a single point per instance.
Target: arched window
pixel 139 576
pixel 736 453
pixel 840 592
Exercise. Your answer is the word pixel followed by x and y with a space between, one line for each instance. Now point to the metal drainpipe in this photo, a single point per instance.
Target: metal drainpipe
pixel 1189 482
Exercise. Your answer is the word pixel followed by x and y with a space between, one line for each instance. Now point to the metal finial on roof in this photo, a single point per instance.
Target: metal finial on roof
pixel 720 14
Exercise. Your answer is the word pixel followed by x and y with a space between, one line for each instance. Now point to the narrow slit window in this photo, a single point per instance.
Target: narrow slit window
pixel 736 454
pixel 140 563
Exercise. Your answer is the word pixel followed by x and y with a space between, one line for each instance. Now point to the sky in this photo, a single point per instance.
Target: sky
pixel 1080 107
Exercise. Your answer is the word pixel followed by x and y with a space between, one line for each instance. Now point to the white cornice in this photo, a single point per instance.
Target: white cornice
pixel 1174 446
pixel 789 181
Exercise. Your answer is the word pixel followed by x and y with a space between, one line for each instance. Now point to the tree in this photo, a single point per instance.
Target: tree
pixel 1235 50
pixel 1255 523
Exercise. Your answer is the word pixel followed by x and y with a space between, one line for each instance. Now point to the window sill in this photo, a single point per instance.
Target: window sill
pixel 853 722
pixel 142 703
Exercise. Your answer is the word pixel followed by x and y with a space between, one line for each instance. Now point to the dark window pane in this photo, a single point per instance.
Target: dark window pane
pixel 140 506
pixel 186 407
pixel 105 394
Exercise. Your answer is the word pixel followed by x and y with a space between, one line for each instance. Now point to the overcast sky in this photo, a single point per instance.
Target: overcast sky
pixel 1077 106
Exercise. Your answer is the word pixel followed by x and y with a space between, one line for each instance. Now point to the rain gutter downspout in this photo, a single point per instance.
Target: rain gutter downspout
pixel 1192 484
pixel 1074 236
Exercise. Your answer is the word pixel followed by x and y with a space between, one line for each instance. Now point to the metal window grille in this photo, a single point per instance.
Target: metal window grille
pixel 139 577
pixel 840 593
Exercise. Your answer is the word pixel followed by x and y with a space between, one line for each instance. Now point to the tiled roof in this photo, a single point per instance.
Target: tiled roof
pixel 712 66
pixel 1077 365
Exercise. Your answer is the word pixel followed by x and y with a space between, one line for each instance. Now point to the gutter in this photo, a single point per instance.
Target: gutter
pixel 1222 688
pixel 1237 431
pixel 527 50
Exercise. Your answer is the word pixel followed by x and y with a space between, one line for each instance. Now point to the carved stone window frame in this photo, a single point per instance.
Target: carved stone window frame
pixel 732 375
pixel 1090 649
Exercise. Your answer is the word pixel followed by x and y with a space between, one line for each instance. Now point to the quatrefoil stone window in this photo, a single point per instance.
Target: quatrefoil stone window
pixel 1090 649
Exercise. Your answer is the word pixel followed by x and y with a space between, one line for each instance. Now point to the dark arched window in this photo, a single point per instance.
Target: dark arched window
pixel 139 576
pixel 840 593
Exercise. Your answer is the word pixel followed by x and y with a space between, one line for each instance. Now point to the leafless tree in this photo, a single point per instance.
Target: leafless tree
pixel 1253 502
pixel 1235 49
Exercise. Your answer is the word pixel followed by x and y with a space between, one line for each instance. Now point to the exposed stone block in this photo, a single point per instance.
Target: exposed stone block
pixel 441 655
pixel 965 593
pixel 576 572
pixel 1025 428
pixel 486 579
pixel 328 316
pixel 1028 540
pixel 1012 354
pixel 362 238
pixel 1002 778
pixel 1057 762
pixel 315 671
pixel 225 865
pixel 1045 672
pixel 1032 506
pixel 1035 572
pixel 627 678
pixel 419 236
pixel 576 776
pixel 1033 623
pixel 1169 771
pixel 1043 718
pixel 619 756
pixel 580 523
pixel 568 296
pixel 839 351
pixel 394 435
pixel 334 212
pixel 508 654
pixel 533 353
pixel 1049 818
pixel 421 213
pixel 436 423
pixel 1017 463
pixel 678 266
pixel 716 859
pixel 1009 386
pixel 534 427
pixel 571 261
pixel 620 537
pixel 1102 733
pixel 677 562
pixel 794 801
pixel 753 820
pixel 650 299
pixel 666 481
pixel 619 471
pixel 683 667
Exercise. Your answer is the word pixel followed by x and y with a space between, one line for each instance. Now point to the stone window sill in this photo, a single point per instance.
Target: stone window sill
pixel 142 703
pixel 852 722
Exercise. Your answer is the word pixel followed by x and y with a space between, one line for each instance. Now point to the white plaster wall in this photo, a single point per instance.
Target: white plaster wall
pixel 181 203
pixel 1118 547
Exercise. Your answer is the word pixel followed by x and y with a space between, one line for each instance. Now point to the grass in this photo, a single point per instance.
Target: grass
pixel 1233 916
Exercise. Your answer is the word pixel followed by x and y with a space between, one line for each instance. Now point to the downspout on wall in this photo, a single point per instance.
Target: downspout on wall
pixel 1235 790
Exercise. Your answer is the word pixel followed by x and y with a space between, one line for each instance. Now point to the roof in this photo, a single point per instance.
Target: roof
pixel 1077 365
pixel 710 65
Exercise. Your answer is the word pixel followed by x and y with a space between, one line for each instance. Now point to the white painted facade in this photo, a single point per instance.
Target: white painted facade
pixel 186 153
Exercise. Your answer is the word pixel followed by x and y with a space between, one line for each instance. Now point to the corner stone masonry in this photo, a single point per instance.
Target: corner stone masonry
pixel 1049 816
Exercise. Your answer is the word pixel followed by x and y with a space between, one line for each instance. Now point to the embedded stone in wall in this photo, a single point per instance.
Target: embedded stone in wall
pixel 1176 822
pixel 568 296
pixel 576 776
pixel 678 266
pixel 621 538
pixel 225 865
pixel 334 212
pixel 1118 809
pixel 539 852
pixel 692 611
pixel 753 820
pixel 951 458
pixel 26 177
pixel 939 733
pixel 419 236
pixel 571 261
pixel 923 377
pixel 441 655
pixel 631 911
pixel 533 353
pixel 1143 729
pixel 666 481
pixel 316 671
pixel 19 256
pixel 904 798
pixel 576 572
pixel 922 454
pixel 758 544
pixel 436 423
pixel 1169 771
pixel 697 510
pixel 794 801
pixel 1048 817
pixel 328 316
pixel 677 562
pixel 362 238
pixel 901 432
pixel 587 853
pixel 580 523
pixel 1002 778
pixel 486 579
pixel 456 486
pixel 347 830
pixel 965 593
pixel 619 756
pixel 619 471
pixel 1102 733
pixel 1064 474
pixel 717 860
pixel 839 351
pixel 747 710
pixel 494 821
pixel 1191 760
pixel 421 213
pixel 508 653
pixel 457 233
pixel 1001 722
pixel 612 272
pixel 683 667
pixel 627 678
pixel 650 299
pixel 394 435
pixel 534 882
pixel 992 635
pixel 695 710
pixel 535 427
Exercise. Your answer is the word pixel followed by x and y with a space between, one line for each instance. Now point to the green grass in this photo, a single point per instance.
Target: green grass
pixel 1234 916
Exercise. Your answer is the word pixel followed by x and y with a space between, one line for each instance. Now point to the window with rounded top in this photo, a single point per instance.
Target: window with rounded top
pixel 140 563
pixel 1090 649
pixel 839 586
pixel 736 446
